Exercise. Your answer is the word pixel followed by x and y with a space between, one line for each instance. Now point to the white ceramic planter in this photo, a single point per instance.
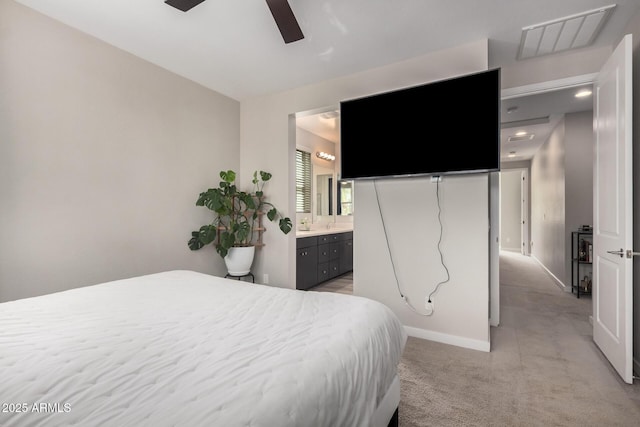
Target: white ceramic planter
pixel 239 260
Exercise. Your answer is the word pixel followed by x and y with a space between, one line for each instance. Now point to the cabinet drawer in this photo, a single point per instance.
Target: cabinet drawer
pixel 324 252
pixel 324 239
pixel 305 242
pixel 335 250
pixel 323 272
pixel 334 268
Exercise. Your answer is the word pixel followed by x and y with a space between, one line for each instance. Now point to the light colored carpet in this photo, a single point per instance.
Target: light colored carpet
pixel 543 368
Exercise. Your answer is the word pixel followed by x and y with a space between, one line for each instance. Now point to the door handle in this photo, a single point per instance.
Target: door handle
pixel 620 252
pixel 629 253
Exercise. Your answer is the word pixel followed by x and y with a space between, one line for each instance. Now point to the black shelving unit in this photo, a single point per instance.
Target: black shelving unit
pixel 581 262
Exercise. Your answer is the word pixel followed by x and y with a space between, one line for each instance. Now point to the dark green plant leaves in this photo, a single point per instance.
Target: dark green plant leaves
pixel 265 176
pixel 236 213
pixel 194 242
pixel 207 233
pixel 285 225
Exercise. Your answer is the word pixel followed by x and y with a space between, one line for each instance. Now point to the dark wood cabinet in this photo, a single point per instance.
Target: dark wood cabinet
pixel 324 257
pixel 306 262
pixel 346 256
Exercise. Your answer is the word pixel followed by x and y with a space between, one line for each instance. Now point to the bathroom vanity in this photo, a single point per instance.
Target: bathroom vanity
pixel 322 255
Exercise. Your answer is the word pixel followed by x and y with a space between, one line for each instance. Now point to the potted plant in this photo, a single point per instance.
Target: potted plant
pixel 237 220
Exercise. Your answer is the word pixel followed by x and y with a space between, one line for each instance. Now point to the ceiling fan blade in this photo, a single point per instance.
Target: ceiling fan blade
pixel 183 5
pixel 286 20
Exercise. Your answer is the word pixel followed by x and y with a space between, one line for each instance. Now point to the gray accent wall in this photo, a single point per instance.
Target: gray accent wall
pixel 102 157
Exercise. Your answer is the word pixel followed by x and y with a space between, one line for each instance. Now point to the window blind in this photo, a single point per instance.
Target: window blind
pixel 303 182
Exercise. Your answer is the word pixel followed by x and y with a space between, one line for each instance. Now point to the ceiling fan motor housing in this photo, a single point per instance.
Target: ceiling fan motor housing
pixel 183 5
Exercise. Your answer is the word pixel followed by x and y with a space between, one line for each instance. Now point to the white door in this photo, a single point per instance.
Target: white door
pixel 613 211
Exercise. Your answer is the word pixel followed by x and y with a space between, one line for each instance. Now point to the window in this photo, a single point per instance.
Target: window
pixel 303 182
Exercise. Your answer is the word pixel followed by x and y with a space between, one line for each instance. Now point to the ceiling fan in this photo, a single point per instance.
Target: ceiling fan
pixel 280 9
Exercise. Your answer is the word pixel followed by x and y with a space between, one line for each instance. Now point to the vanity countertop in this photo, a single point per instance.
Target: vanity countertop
pixel 323 230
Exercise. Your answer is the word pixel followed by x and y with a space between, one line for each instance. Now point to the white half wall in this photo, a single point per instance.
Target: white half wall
pixel 268 141
pixel 397 232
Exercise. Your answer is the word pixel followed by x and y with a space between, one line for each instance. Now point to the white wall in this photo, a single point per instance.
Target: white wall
pixel 510 210
pixel 266 129
pixel 102 158
pixel 548 204
pixel 554 67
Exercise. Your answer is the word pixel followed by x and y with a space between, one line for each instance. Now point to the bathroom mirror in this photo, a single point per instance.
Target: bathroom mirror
pixel 345 198
pixel 324 194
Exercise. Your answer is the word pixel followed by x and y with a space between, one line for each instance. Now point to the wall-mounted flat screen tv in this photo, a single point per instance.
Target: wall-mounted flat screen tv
pixel 445 127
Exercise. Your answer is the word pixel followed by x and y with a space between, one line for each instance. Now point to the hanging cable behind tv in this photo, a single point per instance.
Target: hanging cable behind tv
pixel 429 305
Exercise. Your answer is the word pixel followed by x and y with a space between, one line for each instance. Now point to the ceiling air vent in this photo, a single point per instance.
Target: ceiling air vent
pixel 570 32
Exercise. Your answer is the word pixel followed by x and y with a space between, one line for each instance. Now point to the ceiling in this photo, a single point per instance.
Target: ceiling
pixel 546 108
pixel 235 48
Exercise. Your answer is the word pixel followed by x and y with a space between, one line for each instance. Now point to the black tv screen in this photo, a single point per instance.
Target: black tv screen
pixel 445 127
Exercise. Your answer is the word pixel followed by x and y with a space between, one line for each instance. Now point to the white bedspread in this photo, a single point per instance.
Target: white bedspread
pixel 182 348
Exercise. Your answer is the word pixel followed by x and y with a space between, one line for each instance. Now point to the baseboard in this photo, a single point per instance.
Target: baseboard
pixel 515 250
pixel 558 281
pixel 448 339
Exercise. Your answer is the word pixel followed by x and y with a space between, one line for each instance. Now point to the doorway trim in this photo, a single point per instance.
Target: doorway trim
pixel 536 89
pixel 548 86
pixel 515 92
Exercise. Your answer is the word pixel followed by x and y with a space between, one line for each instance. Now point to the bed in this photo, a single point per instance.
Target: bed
pixel 181 348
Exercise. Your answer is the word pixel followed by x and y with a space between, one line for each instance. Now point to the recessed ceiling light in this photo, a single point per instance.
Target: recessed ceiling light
pixel 511 154
pixel 583 93
pixel 521 133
